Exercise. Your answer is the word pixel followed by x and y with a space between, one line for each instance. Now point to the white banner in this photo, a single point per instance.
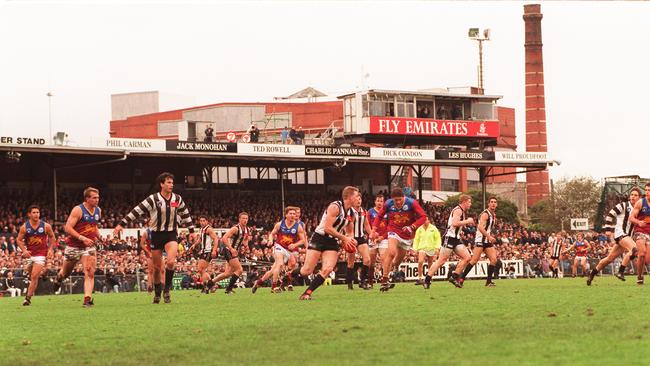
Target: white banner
pixel 479 270
pixel 402 154
pixel 129 144
pixel 521 156
pixel 271 150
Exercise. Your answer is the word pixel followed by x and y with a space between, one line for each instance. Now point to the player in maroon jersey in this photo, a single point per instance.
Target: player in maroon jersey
pixel 405 215
pixel 35 240
pixel 83 231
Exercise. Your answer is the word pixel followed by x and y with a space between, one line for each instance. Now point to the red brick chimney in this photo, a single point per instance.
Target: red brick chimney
pixel 537 182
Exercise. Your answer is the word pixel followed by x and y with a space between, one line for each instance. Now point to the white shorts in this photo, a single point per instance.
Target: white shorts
pixel 429 253
pixel 383 244
pixel 403 243
pixel 282 250
pixel 39 259
pixel 74 254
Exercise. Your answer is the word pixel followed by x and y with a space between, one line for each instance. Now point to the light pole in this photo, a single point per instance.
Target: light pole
pixel 475 34
pixel 49 102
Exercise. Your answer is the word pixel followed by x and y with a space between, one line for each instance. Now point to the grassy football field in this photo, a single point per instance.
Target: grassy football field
pixel 519 322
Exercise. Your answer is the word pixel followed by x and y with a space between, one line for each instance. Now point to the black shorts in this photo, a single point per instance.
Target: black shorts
pixel 451 243
pixel 226 254
pixel 206 256
pixel 160 238
pixel 554 257
pixel 617 240
pixel 484 245
pixel 362 240
pixel 323 243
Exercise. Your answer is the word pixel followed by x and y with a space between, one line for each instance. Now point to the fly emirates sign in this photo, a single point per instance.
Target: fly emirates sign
pixel 431 127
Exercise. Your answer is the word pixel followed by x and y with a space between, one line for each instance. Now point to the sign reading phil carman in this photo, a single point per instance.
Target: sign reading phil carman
pixel 464 155
pixel 201 146
pixel 21 140
pixel 337 151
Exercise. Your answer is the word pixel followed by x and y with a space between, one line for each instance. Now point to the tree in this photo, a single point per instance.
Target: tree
pixel 577 198
pixel 573 198
pixel 506 210
pixel 542 216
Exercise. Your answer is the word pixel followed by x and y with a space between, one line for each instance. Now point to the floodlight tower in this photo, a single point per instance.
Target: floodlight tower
pixel 475 34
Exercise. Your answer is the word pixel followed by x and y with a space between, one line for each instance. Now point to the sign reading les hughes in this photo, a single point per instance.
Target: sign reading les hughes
pixel 338 151
pixel 464 155
pixel 201 146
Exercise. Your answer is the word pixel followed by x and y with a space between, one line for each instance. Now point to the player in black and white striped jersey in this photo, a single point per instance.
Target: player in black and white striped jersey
pixel 362 231
pixel 484 242
pixel 237 237
pixel 556 253
pixel 206 242
pixel 328 237
pixel 166 210
pixel 619 226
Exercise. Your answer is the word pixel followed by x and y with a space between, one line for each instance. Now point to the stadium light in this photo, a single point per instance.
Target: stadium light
pixel 475 35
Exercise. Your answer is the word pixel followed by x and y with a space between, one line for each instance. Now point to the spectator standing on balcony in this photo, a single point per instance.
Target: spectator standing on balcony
pixel 301 135
pixel 255 133
pixel 209 134
pixel 284 135
pixel 293 135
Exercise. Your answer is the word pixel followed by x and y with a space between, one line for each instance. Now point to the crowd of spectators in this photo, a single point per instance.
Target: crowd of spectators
pixel 119 258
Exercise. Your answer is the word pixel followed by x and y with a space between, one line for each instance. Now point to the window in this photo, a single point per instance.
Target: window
pixel 398 175
pixel 427 180
pixel 168 128
pixel 450 185
pixel 404 106
pixel 424 109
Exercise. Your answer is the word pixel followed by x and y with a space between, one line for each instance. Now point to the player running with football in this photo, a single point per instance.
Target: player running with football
pixel 405 215
pixel 328 238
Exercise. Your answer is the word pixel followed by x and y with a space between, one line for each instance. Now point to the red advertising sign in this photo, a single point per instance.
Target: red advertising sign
pixel 432 127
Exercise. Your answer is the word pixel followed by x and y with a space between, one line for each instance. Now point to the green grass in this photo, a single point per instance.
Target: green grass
pixel 520 322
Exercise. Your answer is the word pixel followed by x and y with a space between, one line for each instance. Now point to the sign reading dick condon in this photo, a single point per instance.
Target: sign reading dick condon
pixel 201 146
pixel 337 151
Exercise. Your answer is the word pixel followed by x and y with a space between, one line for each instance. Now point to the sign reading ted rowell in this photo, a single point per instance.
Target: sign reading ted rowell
pixel 431 127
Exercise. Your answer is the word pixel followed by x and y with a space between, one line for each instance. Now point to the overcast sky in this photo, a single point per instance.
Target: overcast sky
pixel 595 60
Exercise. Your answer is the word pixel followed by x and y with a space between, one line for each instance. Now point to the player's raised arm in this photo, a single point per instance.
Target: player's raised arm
pixel 143 207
